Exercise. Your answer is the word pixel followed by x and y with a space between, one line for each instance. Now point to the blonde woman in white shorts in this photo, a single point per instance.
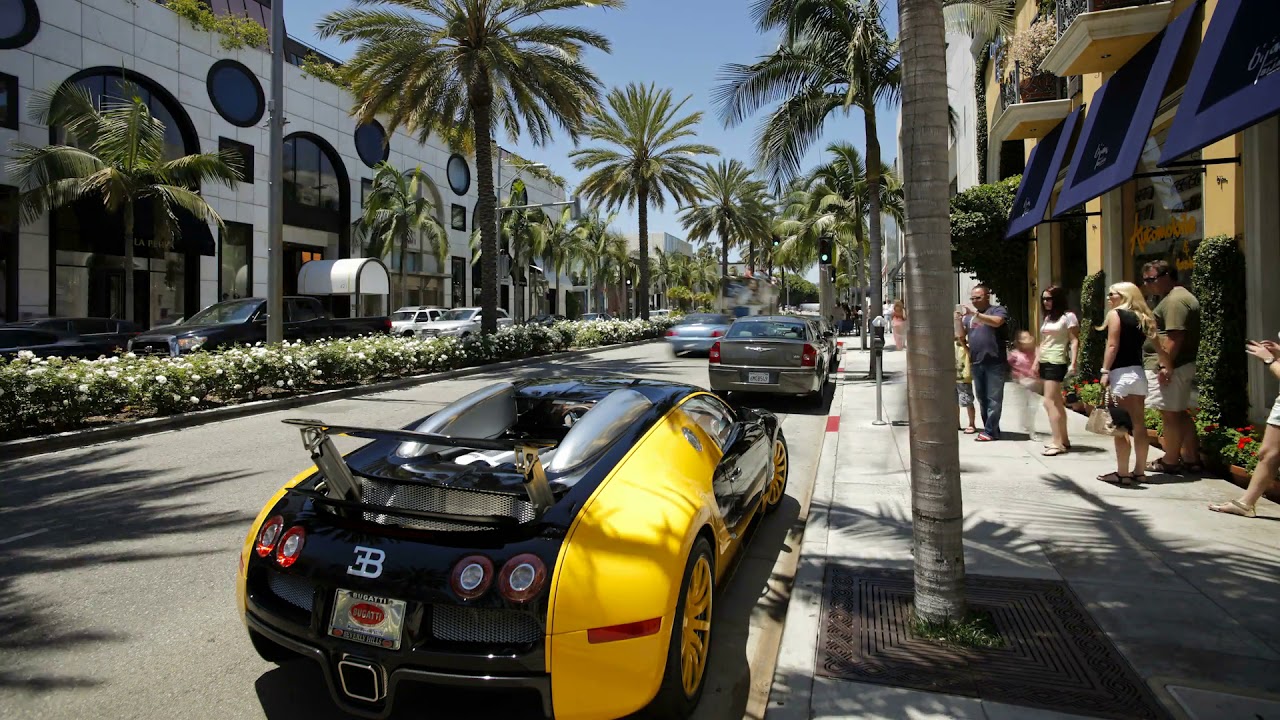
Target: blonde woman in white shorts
pixel 1269 453
pixel 1129 325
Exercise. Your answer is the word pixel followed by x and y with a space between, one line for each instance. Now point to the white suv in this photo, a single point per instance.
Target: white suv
pixel 460 322
pixel 407 321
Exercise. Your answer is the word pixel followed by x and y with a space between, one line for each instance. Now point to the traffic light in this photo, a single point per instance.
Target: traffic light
pixel 824 251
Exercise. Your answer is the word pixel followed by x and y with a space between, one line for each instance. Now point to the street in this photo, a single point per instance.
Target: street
pixel 118 562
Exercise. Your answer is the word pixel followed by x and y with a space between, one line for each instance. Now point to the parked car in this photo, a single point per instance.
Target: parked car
pixel 443 554
pixel 460 322
pixel 407 321
pixel 244 322
pixel 588 317
pixel 545 319
pixel 47 343
pixel 660 313
pixel 827 334
pixel 771 354
pixel 697 332
pixel 114 334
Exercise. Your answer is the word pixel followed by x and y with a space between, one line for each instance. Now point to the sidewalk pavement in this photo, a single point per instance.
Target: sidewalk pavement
pixel 1191 598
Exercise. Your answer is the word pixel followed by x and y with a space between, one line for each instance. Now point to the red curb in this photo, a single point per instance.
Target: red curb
pixel 833 423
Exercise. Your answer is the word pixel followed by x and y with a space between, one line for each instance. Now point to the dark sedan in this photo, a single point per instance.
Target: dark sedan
pixel 110 332
pixel 771 354
pixel 545 319
pixel 45 343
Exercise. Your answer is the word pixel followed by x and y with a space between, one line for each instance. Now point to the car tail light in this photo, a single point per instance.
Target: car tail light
pixel 714 355
pixel 671 333
pixel 809 356
pixel 471 577
pixel 268 535
pixel 290 546
pixel 387 324
pixel 522 578
pixel 717 333
pixel 626 631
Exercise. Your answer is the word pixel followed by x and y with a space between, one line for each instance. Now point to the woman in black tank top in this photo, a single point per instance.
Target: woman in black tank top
pixel 1129 323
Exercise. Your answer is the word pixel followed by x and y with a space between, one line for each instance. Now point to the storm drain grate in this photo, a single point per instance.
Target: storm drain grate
pixel 1055 657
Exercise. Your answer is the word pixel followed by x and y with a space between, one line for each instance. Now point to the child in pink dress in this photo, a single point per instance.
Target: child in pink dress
pixel 1022 361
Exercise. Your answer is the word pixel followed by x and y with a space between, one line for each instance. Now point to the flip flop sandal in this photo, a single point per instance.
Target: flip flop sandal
pixel 1234 507
pixel 1113 478
pixel 1160 466
pixel 983 437
pixel 971 431
pixel 1137 479
pixel 1053 451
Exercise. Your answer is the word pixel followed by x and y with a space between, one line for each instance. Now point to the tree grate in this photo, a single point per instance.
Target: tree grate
pixel 1054 655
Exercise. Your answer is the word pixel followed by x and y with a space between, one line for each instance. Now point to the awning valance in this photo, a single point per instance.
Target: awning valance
pixel 350 276
pixel 1234 82
pixel 1033 195
pixel 1120 117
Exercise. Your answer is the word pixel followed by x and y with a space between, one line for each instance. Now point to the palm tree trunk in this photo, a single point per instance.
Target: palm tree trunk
pixel 485 211
pixel 937 509
pixel 873 202
pixel 724 252
pixel 128 263
pixel 644 254
pixel 404 288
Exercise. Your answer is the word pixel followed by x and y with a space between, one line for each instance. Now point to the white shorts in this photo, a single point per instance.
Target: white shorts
pixel 1128 381
pixel 1275 413
pixel 1179 395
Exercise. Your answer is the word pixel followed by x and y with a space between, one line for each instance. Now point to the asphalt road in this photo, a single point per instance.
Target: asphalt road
pixel 118 562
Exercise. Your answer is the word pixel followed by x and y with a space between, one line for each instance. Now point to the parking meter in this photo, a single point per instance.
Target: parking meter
pixel 877 352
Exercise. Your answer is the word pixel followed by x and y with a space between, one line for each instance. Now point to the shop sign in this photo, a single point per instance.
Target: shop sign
pixel 1168 213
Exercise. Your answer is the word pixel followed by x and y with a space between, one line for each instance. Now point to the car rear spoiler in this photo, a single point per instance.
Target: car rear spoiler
pixel 316 439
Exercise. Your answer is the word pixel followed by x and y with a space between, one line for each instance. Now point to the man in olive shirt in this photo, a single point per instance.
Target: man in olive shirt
pixel 1171 367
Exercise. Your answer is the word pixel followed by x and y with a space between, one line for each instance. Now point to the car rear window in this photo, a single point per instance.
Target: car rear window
pixel 768 330
pixel 706 319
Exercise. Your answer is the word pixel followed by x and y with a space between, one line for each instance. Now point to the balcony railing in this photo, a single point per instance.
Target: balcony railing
pixel 1021 88
pixel 1067 10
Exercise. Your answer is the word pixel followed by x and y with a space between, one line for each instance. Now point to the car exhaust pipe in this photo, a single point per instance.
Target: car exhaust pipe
pixel 362 680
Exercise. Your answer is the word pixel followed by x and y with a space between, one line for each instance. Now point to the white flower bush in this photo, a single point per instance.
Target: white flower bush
pixel 40 395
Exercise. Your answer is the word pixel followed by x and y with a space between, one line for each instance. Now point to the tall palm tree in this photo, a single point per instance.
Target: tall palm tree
pixel 555 244
pixel 394 214
pixel 936 505
pixel 521 233
pixel 705 270
pixel 646 157
pixel 595 245
pixel 835 55
pixel 729 204
pixel 461 68
pixel 984 20
pixel 115 155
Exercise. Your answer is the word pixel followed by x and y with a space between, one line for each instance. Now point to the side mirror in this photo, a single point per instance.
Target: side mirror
pixel 828 334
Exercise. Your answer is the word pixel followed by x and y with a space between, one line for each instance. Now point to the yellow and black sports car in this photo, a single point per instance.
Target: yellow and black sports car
pixel 559 538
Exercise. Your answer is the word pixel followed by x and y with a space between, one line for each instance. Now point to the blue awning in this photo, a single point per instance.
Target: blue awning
pixel 1120 118
pixel 1234 82
pixel 1042 172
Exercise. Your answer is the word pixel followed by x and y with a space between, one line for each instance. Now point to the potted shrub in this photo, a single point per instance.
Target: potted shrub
pixel 1027 49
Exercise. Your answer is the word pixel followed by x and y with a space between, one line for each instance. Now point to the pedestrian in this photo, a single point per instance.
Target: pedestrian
pixel 964 384
pixel 1170 362
pixel 1129 324
pixel 899 324
pixel 1055 360
pixel 1269 451
pixel 985 328
pixel 1022 362
pixel 887 313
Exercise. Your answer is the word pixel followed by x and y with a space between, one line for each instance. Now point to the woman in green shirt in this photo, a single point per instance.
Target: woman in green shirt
pixel 1055 360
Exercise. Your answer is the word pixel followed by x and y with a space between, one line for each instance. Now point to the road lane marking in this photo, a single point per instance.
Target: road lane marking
pixel 23 536
pixel 833 423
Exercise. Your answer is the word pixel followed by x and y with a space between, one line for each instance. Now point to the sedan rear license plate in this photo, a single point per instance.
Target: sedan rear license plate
pixel 758 377
pixel 367 619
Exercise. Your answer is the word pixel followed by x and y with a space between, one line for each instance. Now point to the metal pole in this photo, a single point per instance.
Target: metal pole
pixel 879 387
pixel 275 203
pixel 877 362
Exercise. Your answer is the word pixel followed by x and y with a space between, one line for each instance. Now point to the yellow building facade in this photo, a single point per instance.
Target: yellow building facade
pixel 1160 54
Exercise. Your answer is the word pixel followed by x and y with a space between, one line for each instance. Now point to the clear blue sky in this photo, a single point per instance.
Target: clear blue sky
pixel 677 44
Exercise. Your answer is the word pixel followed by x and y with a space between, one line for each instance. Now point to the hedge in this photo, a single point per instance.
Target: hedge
pixel 39 395
pixel 1222 372
pixel 1093 343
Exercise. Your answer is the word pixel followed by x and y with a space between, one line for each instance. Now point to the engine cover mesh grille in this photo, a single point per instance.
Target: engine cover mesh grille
pixel 428 498
pixel 492 627
pixel 292 589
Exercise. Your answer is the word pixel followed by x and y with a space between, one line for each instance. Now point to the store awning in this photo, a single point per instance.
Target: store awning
pixel 1119 120
pixel 1234 82
pixel 350 276
pixel 1033 195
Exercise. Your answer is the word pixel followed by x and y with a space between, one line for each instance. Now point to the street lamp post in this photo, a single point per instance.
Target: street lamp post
pixel 275 202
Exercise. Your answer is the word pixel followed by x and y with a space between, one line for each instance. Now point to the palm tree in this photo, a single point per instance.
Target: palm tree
pixel 394 213
pixel 936 504
pixel 835 55
pixel 984 20
pixel 522 232
pixel 729 204
pixel 555 244
pixel 646 159
pixel 460 69
pixel 596 242
pixel 705 270
pixel 116 155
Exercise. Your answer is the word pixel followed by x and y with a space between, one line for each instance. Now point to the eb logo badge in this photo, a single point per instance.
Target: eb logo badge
pixel 368 562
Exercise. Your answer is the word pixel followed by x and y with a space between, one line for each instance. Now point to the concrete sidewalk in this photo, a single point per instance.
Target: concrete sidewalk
pixel 1189 597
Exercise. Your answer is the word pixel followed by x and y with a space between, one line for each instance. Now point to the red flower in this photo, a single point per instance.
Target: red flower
pixel 1243 441
pixel 1210 428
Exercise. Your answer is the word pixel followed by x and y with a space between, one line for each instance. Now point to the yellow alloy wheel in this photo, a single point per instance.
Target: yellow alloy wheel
pixel 778 485
pixel 695 643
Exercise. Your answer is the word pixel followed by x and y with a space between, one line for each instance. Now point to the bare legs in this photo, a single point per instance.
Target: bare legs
pixel 1135 405
pixel 1263 475
pixel 1055 405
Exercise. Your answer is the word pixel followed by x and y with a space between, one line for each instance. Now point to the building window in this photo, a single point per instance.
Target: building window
pixel 412 261
pixel 19 22
pixel 8 101
pixel 243 154
pixel 459 175
pixel 371 143
pixel 312 185
pixel 458 271
pixel 235 253
pixel 366 187
pixel 459 217
pixel 235 93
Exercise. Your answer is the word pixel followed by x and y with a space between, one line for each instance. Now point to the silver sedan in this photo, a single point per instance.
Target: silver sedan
pixel 697 332
pixel 766 354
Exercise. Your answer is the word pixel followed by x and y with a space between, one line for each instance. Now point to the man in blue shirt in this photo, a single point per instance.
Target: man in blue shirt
pixel 985 327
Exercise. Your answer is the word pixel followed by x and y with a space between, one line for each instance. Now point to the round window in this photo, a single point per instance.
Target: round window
pixel 459 175
pixel 19 21
pixel 235 93
pixel 371 143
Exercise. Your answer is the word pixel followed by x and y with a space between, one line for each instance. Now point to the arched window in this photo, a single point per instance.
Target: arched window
pixel 113 84
pixel 314 183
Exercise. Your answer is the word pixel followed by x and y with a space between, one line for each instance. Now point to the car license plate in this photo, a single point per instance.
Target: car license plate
pixel 367 619
pixel 758 377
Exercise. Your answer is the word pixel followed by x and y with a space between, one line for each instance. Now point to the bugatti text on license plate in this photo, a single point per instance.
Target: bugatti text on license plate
pixel 758 377
pixel 367 619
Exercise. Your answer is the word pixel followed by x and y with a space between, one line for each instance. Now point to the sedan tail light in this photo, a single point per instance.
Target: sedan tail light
pixel 522 578
pixel 290 546
pixel 714 355
pixel 809 356
pixel 717 333
pixel 268 535
pixel 671 333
